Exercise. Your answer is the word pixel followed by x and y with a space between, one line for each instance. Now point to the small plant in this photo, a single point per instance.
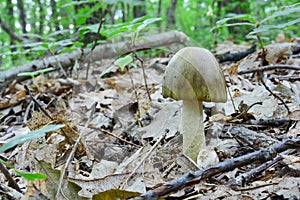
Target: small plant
pixel 35 73
pixel 132 29
pixel 259 27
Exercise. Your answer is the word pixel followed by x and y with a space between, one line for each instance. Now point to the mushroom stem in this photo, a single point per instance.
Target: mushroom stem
pixel 192 128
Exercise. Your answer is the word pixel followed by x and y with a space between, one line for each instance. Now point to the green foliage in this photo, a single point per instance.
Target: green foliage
pixel 68 28
pixel 28 176
pixel 123 61
pixel 260 27
pixel 131 27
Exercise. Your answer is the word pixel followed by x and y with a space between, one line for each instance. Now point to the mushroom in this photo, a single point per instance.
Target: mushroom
pixel 193 75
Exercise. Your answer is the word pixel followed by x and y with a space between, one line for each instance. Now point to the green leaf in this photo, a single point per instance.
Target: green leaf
pixel 30 136
pixel 31 176
pixel 78 44
pixel 123 61
pixel 272 27
pixel 147 22
pixel 134 65
pixel 28 176
pixel 284 12
pixel 107 71
pixel 233 24
pixel 251 20
pixel 44 45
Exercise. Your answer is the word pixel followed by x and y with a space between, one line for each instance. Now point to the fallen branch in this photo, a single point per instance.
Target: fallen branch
pixel 100 52
pixel 192 178
pixel 239 181
pixel 236 56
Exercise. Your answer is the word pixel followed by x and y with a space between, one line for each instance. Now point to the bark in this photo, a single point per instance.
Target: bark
pixel 192 178
pixel 54 15
pixel 22 15
pixel 140 9
pixel 171 21
pixel 123 12
pixel 159 14
pixel 10 31
pixel 11 22
pixel 10 12
pixel 41 17
pixel 33 15
pixel 100 52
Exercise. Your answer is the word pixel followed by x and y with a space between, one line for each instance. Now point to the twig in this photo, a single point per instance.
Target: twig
pixel 113 135
pixel 135 91
pixel 270 67
pixel 64 169
pixel 260 78
pixel 11 182
pixel 94 46
pixel 238 188
pixel 58 63
pixel 144 74
pixel 143 160
pixel 289 78
pixel 232 102
pixel 192 178
pixel 247 177
pixel 236 56
pixel 37 103
pixel 244 112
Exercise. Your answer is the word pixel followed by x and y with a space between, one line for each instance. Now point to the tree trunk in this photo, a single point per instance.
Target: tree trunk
pixel 171 14
pixel 123 12
pixel 10 31
pixel 41 17
pixel 11 22
pixel 22 15
pixel 54 15
pixel 159 14
pixel 140 9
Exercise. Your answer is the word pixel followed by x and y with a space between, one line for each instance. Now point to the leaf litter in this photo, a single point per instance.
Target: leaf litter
pixel 130 144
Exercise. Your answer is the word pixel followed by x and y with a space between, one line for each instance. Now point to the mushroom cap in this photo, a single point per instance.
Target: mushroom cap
pixel 194 72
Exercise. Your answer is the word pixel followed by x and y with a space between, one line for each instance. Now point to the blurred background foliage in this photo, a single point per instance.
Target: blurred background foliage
pixel 32 29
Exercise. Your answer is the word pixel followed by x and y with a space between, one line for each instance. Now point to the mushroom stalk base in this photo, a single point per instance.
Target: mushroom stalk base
pixel 192 128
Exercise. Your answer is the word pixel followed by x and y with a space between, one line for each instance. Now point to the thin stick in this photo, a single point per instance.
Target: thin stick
pixel 142 161
pixel 113 135
pixel 260 78
pixel 93 47
pixel 144 75
pixel 37 103
pixel 270 67
pixel 135 91
pixel 67 164
pixel 11 182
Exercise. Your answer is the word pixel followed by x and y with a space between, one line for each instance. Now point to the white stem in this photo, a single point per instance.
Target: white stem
pixel 192 128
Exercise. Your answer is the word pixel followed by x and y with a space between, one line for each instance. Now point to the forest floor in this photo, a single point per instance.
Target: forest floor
pixel 121 138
